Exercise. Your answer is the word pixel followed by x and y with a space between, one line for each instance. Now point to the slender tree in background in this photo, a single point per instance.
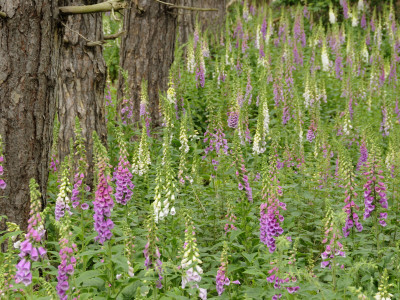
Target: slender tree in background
pixel 147 51
pixel 30 39
pixel 81 80
pixel 211 20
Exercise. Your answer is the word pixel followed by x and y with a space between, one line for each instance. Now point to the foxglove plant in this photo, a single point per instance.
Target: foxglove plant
pixel 333 248
pixel 63 200
pixel 142 160
pixel 151 252
pixel 122 174
pixel 79 187
pixel 184 149
pixel 67 265
pixel 270 215
pixel 350 208
pixel 144 102
pixel 129 246
pixel 3 184
pixel 222 278
pixel 166 184
pixel 31 249
pixel 103 203
pixel 375 189
pixel 191 262
pixel 262 126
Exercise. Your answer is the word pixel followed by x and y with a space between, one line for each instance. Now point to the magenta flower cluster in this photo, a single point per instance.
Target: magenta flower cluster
pixel 103 205
pixel 331 250
pixel 30 248
pixel 222 279
pixel 66 268
pixel 123 180
pixel 2 182
pixel 270 222
pixel 374 189
pixel 352 217
pixel 217 141
pixel 233 119
pixel 78 189
pixel 277 281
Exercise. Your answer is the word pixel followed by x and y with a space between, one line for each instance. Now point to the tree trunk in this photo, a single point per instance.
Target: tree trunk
pixel 30 40
pixel 81 82
pixel 147 52
pixel 212 20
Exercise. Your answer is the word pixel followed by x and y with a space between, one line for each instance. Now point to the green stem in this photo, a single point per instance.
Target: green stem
pixel 112 279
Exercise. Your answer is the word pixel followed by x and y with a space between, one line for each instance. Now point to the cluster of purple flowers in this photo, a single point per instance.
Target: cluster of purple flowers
pixel 244 182
pixel 352 216
pixel 231 219
pixel 148 262
pixel 363 155
pixel 2 182
pixel 54 162
pixel 30 248
pixel 277 281
pixel 200 76
pixel 311 132
pixel 66 268
pixel 270 220
pixel 126 110
pixel 217 141
pixel 233 119
pixel 75 196
pixel 222 279
pixel 331 250
pixel 103 205
pixel 372 188
pixel 123 180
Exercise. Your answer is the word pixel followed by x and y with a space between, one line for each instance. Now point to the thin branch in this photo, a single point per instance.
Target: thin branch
pixel 229 4
pixel 82 36
pixel 114 36
pixel 106 38
pixel 170 5
pixel 110 5
pixel 3 14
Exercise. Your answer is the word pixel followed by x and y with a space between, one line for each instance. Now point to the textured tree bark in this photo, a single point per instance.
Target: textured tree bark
pixel 81 82
pixel 212 20
pixel 147 51
pixel 30 39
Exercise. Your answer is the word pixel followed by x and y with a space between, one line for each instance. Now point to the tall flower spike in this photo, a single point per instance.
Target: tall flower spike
pixel 184 149
pixel 270 215
pixel 222 278
pixel 31 248
pixel 80 187
pixel 350 208
pixel 67 265
pixel 7 267
pixel 375 188
pixel 3 184
pixel 63 200
pixel 334 247
pixel 122 173
pixel 165 174
pixel 129 247
pixel 142 160
pixel 103 203
pixel 151 252
pixel 144 112
pixel 191 262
